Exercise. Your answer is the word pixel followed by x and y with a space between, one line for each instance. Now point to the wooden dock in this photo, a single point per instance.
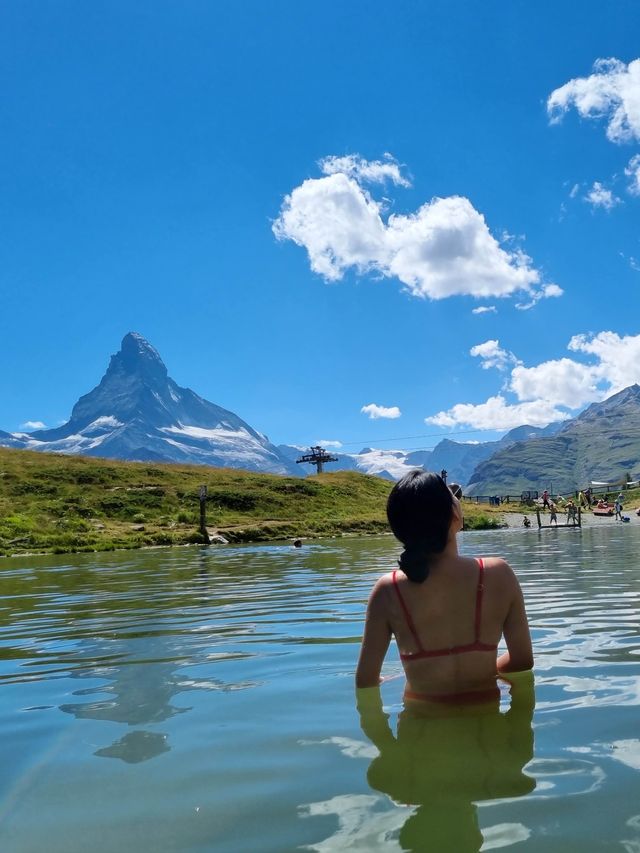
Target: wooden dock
pixel 575 522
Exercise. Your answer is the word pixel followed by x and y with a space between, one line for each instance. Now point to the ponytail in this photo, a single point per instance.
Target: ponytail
pixel 414 562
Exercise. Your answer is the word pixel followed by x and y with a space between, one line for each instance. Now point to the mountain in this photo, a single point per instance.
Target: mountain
pixel 601 444
pixel 138 412
pixel 460 460
pixel 457 458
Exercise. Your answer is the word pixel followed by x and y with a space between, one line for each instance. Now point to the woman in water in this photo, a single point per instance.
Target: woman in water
pixel 447 612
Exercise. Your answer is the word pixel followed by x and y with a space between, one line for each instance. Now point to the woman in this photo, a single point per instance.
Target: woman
pixel 447 612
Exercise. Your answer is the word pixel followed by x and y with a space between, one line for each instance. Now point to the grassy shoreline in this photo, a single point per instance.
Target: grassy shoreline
pixel 51 503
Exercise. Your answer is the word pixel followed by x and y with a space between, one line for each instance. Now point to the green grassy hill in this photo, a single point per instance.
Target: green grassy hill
pixel 66 503
pixel 50 502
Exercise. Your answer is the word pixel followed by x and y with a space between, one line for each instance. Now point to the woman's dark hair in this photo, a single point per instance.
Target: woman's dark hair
pixel 419 510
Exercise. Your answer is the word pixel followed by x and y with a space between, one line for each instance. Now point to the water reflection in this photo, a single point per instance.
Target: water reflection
pixel 445 763
pixel 136 747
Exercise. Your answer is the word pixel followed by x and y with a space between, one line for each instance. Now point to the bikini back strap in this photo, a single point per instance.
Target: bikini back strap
pixel 407 615
pixel 479 592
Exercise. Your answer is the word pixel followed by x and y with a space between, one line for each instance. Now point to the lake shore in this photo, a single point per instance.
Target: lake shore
pixel 587 518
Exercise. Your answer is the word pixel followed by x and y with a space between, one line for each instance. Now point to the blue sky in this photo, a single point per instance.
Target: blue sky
pixel 181 169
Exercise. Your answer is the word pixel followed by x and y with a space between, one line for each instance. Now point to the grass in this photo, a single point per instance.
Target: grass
pixel 51 503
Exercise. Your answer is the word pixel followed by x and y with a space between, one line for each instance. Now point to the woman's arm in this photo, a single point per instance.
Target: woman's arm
pixel 377 636
pixel 519 654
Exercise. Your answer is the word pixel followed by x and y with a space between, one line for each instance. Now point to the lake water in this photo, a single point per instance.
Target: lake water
pixel 202 700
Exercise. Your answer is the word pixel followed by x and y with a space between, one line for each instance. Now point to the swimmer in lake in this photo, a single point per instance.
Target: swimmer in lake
pixel 447 612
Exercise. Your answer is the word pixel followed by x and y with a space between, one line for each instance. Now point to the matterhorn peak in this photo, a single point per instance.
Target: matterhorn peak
pixel 138 412
pixel 137 356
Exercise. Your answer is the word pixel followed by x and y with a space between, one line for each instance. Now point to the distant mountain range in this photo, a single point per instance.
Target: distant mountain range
pixel 459 459
pixel 138 412
pixel 602 444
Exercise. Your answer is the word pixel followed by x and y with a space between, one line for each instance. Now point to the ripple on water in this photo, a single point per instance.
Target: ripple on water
pixel 229 673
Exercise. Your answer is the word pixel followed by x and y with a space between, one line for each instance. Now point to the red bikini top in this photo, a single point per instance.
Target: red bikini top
pixel 475 646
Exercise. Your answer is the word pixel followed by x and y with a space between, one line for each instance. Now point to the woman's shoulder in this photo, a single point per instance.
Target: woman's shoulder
pixel 498 567
pixel 495 563
pixel 386 580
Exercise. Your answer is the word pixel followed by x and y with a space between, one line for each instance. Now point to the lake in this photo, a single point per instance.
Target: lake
pixel 202 700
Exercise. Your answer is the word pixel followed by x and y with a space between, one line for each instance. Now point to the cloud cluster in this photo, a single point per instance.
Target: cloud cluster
pixel 497 413
pixel 374 411
pixel 600 196
pixel 33 425
pixel 443 249
pixel 493 355
pixel 611 93
pixel 365 171
pixel 553 390
pixel 633 171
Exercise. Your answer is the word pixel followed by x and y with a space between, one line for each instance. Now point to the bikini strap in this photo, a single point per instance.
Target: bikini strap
pixel 407 615
pixel 479 592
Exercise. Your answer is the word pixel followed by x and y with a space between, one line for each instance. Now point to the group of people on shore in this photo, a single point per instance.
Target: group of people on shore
pixel 585 499
pixel 561 505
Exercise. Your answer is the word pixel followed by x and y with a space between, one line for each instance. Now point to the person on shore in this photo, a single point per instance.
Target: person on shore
pixel 554 514
pixel 619 506
pixel 588 495
pixel 526 522
pixel 545 499
pixel 447 612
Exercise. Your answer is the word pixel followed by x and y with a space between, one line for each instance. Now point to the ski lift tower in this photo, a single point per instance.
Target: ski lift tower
pixel 317 456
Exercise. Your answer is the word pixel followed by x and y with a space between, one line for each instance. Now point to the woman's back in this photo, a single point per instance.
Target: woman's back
pixel 448 628
pixel 447 612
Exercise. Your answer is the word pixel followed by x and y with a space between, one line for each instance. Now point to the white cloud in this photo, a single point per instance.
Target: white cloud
pixel 374 411
pixel 497 414
pixel 366 171
pixel 33 425
pixel 562 382
pixel 575 189
pixel 547 292
pixel 618 357
pixel 552 390
pixel 632 171
pixel 327 442
pixel 600 196
pixel 443 249
pixel 611 93
pixel 484 309
pixel 493 355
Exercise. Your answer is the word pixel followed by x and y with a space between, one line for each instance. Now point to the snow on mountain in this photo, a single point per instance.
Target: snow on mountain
pixel 391 464
pixel 138 412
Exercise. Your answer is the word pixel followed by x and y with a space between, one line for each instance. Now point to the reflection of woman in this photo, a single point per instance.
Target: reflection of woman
pixel 446 612
pixel 444 764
